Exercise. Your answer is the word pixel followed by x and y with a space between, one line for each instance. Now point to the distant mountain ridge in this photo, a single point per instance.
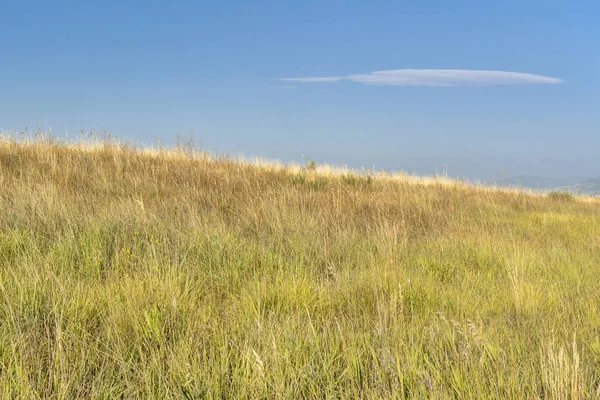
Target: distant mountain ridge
pixel 587 185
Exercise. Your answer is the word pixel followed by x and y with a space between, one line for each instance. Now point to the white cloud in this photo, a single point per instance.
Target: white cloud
pixel 436 77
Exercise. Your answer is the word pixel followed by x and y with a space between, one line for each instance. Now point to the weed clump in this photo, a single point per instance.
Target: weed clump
pixel 357 181
pixel 298 179
pixel 317 183
pixel 310 165
pixel 560 195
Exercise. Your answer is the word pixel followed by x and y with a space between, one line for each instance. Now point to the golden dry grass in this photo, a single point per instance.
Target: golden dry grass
pixel 172 274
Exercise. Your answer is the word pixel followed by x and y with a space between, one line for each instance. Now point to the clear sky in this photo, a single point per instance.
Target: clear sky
pixel 214 69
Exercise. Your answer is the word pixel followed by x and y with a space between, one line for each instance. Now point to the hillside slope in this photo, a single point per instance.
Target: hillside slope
pixel 169 275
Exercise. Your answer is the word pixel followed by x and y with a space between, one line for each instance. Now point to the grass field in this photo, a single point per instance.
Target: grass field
pixel 172 274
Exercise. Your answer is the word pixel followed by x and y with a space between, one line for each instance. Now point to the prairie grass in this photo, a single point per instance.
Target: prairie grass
pixel 132 273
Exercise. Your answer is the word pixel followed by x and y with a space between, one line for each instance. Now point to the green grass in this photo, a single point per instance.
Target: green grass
pixel 171 274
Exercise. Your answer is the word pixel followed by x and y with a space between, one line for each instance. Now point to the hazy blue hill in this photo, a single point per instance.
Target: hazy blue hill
pixel 574 184
pixel 533 181
pixel 591 186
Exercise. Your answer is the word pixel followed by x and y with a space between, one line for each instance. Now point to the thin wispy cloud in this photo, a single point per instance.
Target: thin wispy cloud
pixel 436 77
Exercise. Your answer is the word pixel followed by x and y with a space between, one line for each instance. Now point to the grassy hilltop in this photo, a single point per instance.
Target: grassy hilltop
pixel 172 274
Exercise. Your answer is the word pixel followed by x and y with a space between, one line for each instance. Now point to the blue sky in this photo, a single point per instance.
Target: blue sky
pixel 148 70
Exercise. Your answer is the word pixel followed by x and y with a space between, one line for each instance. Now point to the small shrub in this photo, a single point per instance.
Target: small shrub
pixel 317 184
pixel 561 196
pixel 298 179
pixel 357 180
pixel 310 165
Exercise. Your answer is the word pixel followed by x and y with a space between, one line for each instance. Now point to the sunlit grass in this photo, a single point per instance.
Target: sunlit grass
pixel 169 273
